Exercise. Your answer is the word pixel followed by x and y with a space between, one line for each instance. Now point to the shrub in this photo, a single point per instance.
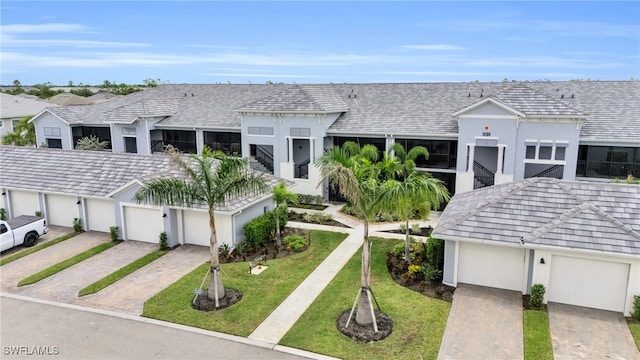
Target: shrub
pixel 77 224
pixel 163 242
pixel 536 298
pixel 224 250
pixel 113 231
pixel 403 228
pixel 435 253
pixel 398 250
pixel 317 218
pixel 259 231
pixel 295 242
pixel 429 272
pixel 414 269
pixel 3 214
pixel 38 213
pixel 415 228
pixel 636 307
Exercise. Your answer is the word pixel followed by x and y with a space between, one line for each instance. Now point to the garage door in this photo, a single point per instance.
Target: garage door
pixel 493 266
pixel 100 214
pixel 62 209
pixel 196 227
pixel 142 224
pixel 24 202
pixel 589 283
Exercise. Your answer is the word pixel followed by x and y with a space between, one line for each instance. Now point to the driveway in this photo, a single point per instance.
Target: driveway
pixel 584 333
pixel 484 323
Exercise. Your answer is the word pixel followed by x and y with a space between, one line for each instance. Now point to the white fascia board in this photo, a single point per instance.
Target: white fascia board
pixel 35 117
pixel 488 100
pixel 124 187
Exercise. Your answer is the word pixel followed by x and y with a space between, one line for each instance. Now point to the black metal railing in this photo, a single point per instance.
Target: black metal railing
pixel 556 171
pixel 607 169
pixel 157 146
pixel 482 176
pixel 302 170
pixel 265 158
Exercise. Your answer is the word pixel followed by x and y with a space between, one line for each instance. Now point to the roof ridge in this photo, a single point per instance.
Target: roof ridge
pixel 539 92
pixel 312 97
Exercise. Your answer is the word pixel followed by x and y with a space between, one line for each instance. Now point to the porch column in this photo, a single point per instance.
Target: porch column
pixel 290 145
pixel 312 142
pixel 472 150
pixel 500 159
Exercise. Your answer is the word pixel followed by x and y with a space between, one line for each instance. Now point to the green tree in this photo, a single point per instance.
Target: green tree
pixel 281 197
pixel 24 133
pixel 413 193
pixel 91 142
pixel 44 90
pixel 210 179
pixel 352 171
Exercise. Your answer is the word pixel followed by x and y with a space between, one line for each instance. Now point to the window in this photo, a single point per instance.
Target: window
pixel 227 142
pixel 257 130
pixel 3 228
pixel 531 152
pixel 545 150
pixel 442 153
pixel 102 133
pixel 302 132
pixel 54 143
pixel 185 141
pixel 130 145
pixel 128 131
pixel 560 153
pixel 52 131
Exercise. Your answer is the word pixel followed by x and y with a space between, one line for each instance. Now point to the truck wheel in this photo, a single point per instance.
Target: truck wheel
pixel 31 239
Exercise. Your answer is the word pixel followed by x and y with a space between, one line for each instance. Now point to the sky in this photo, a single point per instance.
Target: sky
pixel 244 42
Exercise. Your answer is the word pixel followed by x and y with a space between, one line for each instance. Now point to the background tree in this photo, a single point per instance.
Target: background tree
pixel 24 133
pixel 91 142
pixel 352 171
pixel 281 197
pixel 210 179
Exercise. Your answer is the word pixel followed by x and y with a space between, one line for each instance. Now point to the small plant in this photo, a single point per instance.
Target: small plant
pixel 113 231
pixel 429 272
pixel 403 228
pixel 636 307
pixel 38 213
pixel 536 298
pixel 295 242
pixel 163 241
pixel 414 269
pixel 398 250
pixel 3 214
pixel 415 228
pixel 77 224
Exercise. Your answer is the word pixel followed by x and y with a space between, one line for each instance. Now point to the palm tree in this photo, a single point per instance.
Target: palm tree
pixel 352 170
pixel 413 193
pixel 282 196
pixel 209 180
pixel 24 133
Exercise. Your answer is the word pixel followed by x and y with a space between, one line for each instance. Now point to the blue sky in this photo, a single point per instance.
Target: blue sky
pixel 317 42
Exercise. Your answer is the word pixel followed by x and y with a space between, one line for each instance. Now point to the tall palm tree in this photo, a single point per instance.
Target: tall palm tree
pixel 352 171
pixel 209 180
pixel 282 196
pixel 413 193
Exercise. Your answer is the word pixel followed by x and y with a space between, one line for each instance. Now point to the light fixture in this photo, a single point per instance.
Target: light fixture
pixel 78 202
pixel 4 193
pixel 164 215
pixel 542 260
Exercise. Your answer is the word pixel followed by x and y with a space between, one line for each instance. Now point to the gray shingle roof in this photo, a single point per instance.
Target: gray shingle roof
pixel 416 109
pixel 16 106
pixel 544 211
pixel 89 173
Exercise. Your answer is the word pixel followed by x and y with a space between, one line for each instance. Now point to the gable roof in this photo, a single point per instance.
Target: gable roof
pixel 299 99
pixel 17 106
pixel 550 212
pixel 67 99
pixel 90 173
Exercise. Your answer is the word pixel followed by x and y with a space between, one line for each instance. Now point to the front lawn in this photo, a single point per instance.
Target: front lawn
pixel 261 293
pixel 418 321
pixel 537 338
pixel 634 326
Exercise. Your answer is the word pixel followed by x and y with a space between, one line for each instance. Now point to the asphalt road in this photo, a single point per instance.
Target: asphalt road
pixel 37 329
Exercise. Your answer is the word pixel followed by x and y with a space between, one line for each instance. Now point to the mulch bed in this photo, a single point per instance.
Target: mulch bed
pixel 299 217
pixel 424 231
pixel 270 251
pixel 434 289
pixel 204 303
pixel 365 334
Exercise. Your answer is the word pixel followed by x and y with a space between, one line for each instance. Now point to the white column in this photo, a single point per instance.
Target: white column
pixel 311 150
pixel 500 156
pixel 290 144
pixel 472 150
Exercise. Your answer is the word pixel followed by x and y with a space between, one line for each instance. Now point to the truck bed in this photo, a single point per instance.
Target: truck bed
pixel 22 220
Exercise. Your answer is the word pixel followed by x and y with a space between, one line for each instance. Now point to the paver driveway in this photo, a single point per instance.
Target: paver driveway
pixel 484 323
pixel 584 333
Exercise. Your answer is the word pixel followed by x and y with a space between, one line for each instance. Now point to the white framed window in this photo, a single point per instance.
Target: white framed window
pixel 300 132
pixel 260 130
pixel 52 131
pixel 545 151
pixel 130 131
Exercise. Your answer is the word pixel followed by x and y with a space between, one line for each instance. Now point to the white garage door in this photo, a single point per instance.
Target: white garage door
pixel 24 203
pixel 589 283
pixel 100 214
pixel 494 266
pixel 196 227
pixel 62 209
pixel 142 224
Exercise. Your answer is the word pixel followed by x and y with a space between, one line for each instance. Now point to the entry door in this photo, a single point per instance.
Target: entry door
pixel 130 145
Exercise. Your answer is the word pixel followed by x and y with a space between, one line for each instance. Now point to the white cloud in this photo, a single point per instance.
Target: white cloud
pixel 435 47
pixel 11 41
pixel 41 28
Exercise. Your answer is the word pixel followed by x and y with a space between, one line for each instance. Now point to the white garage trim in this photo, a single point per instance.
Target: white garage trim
pixel 100 214
pixel 142 223
pixel 61 209
pixel 24 203
pixel 493 266
pixel 588 282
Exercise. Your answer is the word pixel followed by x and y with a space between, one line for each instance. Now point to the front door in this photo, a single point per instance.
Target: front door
pixel 130 145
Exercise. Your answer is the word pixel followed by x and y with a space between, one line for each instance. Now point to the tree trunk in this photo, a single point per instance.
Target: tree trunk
pixel 365 315
pixel 407 244
pixel 216 289
pixel 277 213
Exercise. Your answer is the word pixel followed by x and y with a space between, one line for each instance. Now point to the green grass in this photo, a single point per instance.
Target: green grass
pixel 537 339
pixel 418 321
pixel 121 273
pixel 635 331
pixel 54 269
pixel 261 293
pixel 31 250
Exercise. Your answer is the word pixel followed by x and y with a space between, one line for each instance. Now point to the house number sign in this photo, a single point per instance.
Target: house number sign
pixel 485 131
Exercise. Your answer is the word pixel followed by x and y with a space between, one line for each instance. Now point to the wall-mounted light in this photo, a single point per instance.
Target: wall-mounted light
pixel 542 260
pixel 164 215
pixel 4 193
pixel 78 202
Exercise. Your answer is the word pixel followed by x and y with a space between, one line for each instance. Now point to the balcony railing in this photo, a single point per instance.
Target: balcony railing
pixel 607 169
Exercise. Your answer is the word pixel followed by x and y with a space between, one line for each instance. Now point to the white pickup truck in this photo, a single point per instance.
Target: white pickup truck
pixel 23 229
